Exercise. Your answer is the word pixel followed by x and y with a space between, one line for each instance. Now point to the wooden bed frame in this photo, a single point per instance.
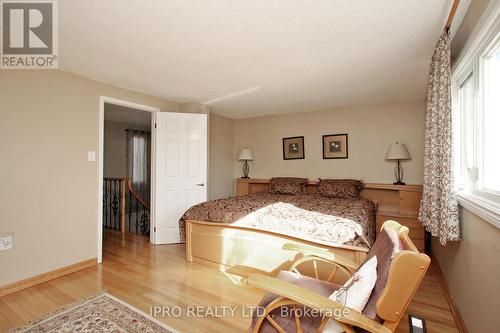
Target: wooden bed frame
pixel 243 251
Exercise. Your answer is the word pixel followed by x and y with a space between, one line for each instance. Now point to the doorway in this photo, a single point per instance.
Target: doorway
pixel 126 159
pixel 178 174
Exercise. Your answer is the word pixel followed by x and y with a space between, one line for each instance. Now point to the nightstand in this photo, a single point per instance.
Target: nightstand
pixel 417 233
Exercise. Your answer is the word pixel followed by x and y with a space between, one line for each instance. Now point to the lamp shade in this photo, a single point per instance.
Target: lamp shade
pixel 245 155
pixel 397 151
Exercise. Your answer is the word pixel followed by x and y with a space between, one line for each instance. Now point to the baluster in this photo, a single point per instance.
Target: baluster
pixel 117 186
pixel 104 203
pixel 112 194
pixel 112 204
pixel 129 208
pixel 117 208
pixel 136 216
pixel 112 219
pixel 119 197
pixel 106 191
pixel 145 222
pixel 122 205
pixel 109 204
pixel 115 204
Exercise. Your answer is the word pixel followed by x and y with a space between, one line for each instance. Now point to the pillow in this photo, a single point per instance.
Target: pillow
pixel 359 287
pixel 287 185
pixel 355 293
pixel 340 188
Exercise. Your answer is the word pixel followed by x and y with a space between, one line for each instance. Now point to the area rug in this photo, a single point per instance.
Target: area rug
pixel 101 313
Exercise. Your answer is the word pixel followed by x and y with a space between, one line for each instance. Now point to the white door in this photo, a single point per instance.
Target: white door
pixel 180 170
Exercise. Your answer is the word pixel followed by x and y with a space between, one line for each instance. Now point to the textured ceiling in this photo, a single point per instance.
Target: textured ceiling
pixel 252 58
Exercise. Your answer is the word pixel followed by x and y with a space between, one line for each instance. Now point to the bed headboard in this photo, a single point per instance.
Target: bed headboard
pixel 401 199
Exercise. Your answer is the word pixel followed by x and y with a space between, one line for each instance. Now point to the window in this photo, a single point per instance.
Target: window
pixel 477 126
pixel 464 125
pixel 491 159
pixel 476 121
pixel 139 159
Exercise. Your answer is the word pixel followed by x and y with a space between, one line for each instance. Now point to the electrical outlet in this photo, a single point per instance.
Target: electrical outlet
pixel 6 241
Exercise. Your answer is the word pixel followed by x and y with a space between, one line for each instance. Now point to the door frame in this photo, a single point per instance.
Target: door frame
pixel 136 106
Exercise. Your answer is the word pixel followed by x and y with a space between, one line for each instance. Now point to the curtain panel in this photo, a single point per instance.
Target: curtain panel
pixel 138 159
pixel 439 208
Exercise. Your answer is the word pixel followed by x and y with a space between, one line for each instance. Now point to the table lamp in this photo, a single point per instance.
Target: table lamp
pixel 245 155
pixel 398 152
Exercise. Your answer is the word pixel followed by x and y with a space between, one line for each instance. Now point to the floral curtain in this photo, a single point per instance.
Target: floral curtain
pixel 439 209
pixel 139 161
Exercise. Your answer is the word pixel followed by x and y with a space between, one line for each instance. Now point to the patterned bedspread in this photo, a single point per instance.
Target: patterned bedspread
pixel 310 217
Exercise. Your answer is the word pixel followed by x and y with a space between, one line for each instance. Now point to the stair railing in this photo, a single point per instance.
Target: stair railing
pixel 123 208
pixel 141 209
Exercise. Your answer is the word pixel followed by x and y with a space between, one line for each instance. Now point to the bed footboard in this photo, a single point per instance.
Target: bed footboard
pixel 243 251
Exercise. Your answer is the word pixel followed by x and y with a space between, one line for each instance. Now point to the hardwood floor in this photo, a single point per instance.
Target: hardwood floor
pixel 145 275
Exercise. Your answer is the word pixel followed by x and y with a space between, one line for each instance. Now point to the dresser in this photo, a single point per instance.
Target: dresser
pixel 400 203
pixel 416 234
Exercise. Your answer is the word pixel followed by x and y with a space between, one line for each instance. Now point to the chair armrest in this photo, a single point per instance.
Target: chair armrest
pixel 315 301
pixel 322 253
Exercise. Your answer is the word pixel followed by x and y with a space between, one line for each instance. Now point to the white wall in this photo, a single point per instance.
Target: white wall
pixel 371 129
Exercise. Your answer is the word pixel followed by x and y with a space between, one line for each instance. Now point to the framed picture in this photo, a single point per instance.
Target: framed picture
pixel 293 148
pixel 335 146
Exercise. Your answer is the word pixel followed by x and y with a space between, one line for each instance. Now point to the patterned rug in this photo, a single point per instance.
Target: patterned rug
pixel 102 313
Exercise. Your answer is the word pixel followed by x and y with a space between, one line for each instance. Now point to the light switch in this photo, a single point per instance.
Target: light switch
pixel 91 156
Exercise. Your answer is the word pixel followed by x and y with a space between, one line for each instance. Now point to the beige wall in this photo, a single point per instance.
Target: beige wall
pixel 371 129
pixel 471 266
pixel 115 147
pixel 48 192
pixel 220 157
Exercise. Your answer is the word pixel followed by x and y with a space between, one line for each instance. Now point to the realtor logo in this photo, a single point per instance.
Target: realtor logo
pixel 29 34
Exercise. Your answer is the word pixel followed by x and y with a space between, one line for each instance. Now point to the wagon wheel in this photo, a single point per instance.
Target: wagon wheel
pixel 278 303
pixel 283 301
pixel 321 269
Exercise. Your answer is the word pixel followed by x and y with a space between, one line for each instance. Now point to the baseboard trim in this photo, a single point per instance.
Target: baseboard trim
pixel 44 277
pixel 454 310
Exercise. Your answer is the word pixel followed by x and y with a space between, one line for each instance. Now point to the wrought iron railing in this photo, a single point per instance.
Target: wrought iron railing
pixel 123 208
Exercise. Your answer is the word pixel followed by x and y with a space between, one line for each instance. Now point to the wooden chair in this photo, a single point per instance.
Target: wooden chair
pixel 404 271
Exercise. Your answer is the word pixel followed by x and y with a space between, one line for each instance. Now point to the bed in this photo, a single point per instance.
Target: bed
pixel 247 233
pixel 309 217
pixel 213 239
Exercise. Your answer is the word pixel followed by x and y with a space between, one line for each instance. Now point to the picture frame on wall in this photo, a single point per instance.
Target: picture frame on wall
pixel 335 146
pixel 293 148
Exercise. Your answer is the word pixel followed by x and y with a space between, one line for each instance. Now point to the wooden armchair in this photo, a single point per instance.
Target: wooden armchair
pixel 400 270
